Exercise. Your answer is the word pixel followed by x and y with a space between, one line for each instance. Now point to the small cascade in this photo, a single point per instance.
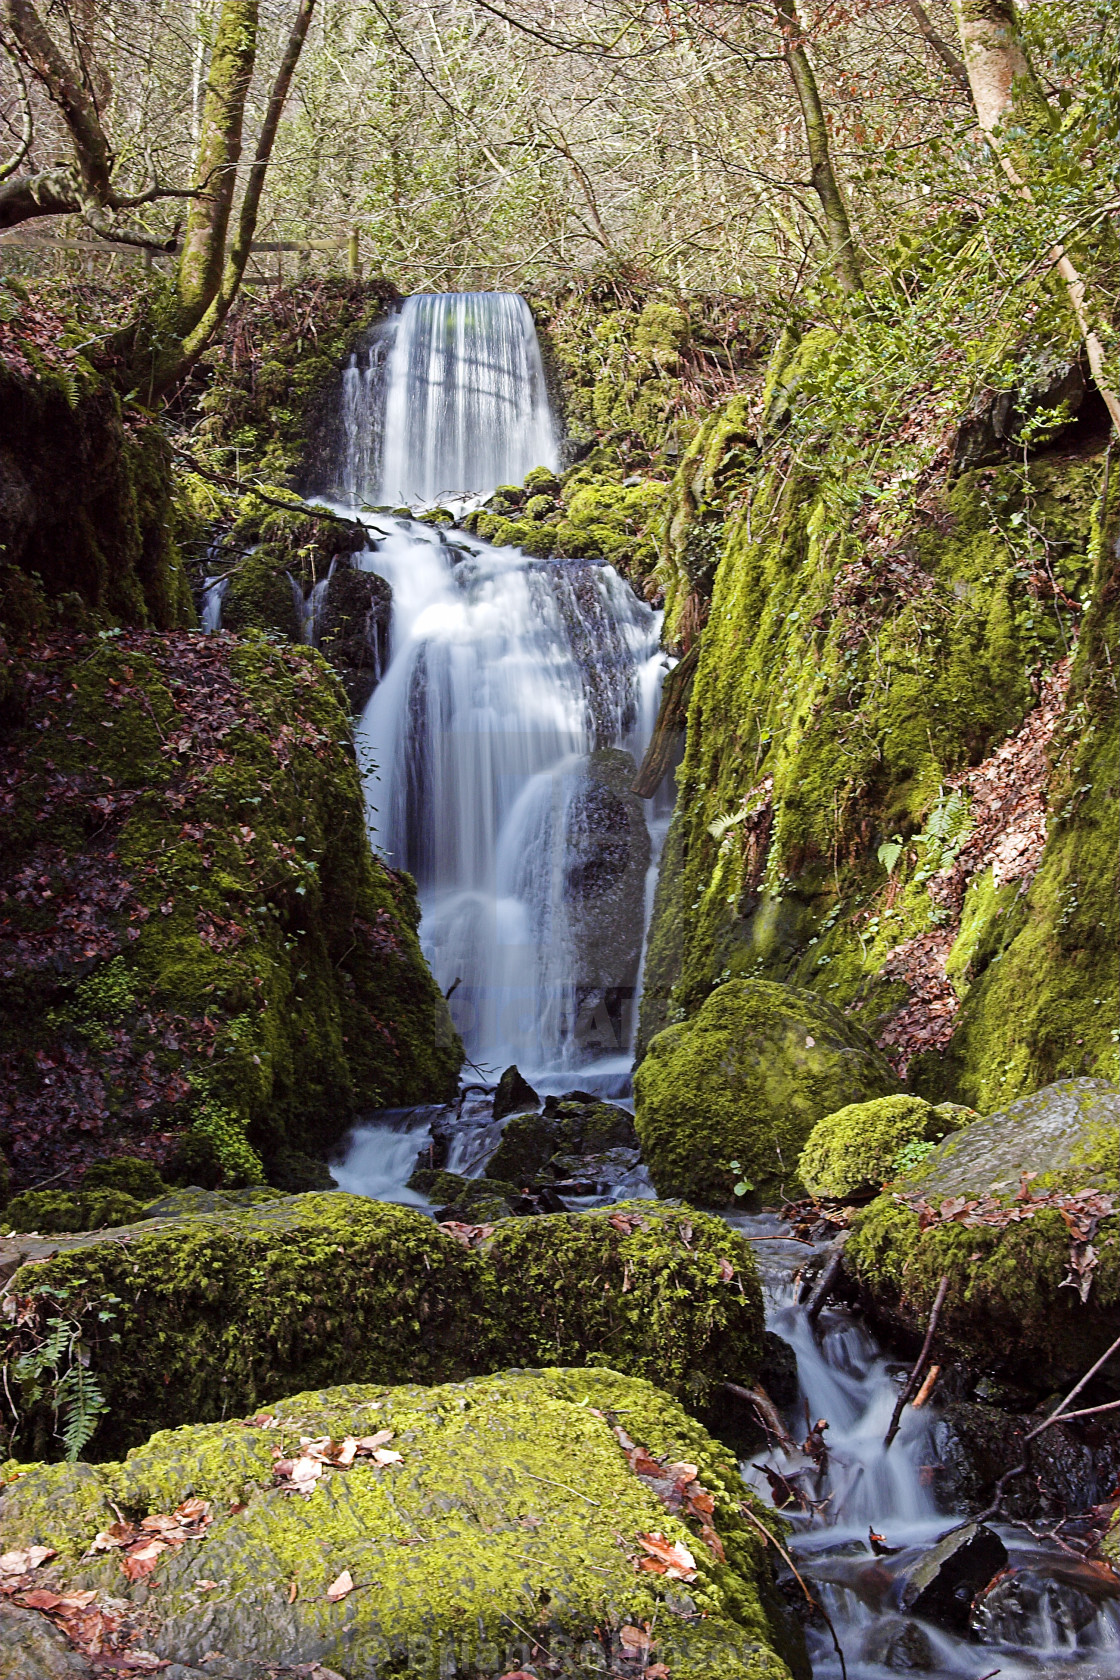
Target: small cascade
pixel 309 607
pixel 363 406
pixel 214 592
pixel 466 407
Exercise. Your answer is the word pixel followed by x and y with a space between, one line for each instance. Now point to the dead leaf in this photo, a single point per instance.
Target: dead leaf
pixel 656 1671
pixel 726 1271
pixel 340 1587
pixel 367 1443
pixel 206 1586
pixel 293 1592
pixel 667 1557
pixel 40 1599
pixel 19 1563
pixel 140 1559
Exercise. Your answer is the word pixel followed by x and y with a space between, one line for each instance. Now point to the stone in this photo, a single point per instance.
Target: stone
pixel 211 1313
pixel 31 1649
pixel 563 1140
pixel 745 1081
pixel 943 1583
pixel 512 1507
pixel 856 1149
pixel 902 1646
pixel 1014 1308
pixel 354 628
pixel 514 1095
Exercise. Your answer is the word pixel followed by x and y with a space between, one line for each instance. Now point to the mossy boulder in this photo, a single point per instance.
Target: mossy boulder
pixel 70 1210
pixel 859 1147
pixel 135 1176
pixel 1015 1302
pixel 215 1312
pixel 512 1522
pixel 745 1081
pixel 478 1201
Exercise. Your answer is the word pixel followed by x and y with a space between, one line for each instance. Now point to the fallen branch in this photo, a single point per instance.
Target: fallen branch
pixel 767 1412
pixel 242 488
pixel 825 1282
pixel 926 1389
pixel 912 1380
pixel 768 1538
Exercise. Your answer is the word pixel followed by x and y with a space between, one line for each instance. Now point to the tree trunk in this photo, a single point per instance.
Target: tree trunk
pixel 1004 86
pixel 219 152
pixel 838 229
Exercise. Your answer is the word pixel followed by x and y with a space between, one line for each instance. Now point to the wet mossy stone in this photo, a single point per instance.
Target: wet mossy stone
pixel 514 1094
pixel 576 1125
pixel 214 1312
pixel 473 1201
pixel 194 1199
pixel 1010 1309
pixel 513 1508
pixel 856 1148
pixel 745 1081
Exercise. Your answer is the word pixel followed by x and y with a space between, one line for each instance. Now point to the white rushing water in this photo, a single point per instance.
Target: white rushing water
pixel 511 683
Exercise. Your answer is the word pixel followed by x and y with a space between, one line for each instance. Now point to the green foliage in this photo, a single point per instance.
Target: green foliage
pixel 53 1373
pixel 71 1210
pixel 238 1162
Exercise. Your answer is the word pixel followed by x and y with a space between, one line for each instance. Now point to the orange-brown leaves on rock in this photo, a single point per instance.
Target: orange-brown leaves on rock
pixel 666 1557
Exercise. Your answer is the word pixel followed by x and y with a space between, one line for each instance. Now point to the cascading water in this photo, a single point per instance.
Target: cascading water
pixel 518 693
pixel 466 407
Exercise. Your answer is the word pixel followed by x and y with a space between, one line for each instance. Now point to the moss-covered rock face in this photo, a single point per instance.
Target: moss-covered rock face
pixel 900 782
pixel 745 1082
pixel 568 1127
pixel 511 1520
pixel 862 1145
pixel 197 935
pixel 214 1312
pixel 1032 1295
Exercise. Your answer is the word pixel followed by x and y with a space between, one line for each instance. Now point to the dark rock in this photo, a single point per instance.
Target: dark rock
pixel 472 1201
pixel 545 1199
pixel 994 427
pixel 943 1583
pixel 778 1372
pixel 36 1650
pixel 292 1171
pixel 1069 1468
pixel 902 1646
pixel 514 1095
pixel 528 1144
pixel 1064 1594
pixel 354 629
pixel 556 1143
pixel 552 1104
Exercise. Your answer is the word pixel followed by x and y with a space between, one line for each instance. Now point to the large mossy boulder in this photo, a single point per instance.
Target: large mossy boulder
pixel 862 1145
pixel 577 1126
pixel 745 1081
pixel 192 1318
pixel 1033 1262
pixel 512 1523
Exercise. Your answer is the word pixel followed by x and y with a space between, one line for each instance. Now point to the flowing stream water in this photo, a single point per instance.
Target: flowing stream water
pixel 501 742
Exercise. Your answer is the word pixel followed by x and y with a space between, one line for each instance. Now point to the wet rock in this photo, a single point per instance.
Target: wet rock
pixel 993 428
pixel 945 1580
pixel 1069 1468
pixel 1011 1311
pixel 291 1170
pixel 510 1491
pixel 778 1371
pixel 471 1201
pixel 354 629
pixel 514 1095
pixel 607 853
pixel 1036 1605
pixel 900 1645
pixel 746 1080
pixel 562 1141
pixel 32 1649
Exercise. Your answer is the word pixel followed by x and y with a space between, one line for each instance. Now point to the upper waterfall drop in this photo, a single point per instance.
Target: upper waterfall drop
pixel 465 405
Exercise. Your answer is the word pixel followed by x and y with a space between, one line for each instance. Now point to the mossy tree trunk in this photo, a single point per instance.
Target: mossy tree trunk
pixel 1012 107
pixel 838 231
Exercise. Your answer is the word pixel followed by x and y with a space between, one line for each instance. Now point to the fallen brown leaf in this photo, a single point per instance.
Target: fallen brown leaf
pixel 340 1587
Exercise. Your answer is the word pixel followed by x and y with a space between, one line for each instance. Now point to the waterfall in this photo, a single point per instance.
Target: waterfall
pixel 466 407
pixel 309 607
pixel 518 694
pixel 214 591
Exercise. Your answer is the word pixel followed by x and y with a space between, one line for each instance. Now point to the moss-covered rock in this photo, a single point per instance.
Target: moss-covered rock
pixel 572 1126
pixel 71 1210
pixel 858 1148
pixel 214 1312
pixel 1014 1302
pixel 197 937
pixel 128 1173
pixel 511 1522
pixel 746 1081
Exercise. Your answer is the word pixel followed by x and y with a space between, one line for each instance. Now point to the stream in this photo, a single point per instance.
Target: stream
pixel 499 749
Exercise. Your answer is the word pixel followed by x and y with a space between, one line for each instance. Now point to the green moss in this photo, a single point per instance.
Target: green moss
pixel 513 1508
pixel 255 958
pixel 215 1312
pixel 125 1172
pixel 70 1210
pixel 1006 1306
pixel 857 1147
pixel 746 1081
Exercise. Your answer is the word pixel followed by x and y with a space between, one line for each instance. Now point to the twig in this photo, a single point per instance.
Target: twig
pixel 766 1410
pixel 1076 1389
pixel 768 1537
pixel 563 1485
pixel 926 1389
pixel 912 1380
